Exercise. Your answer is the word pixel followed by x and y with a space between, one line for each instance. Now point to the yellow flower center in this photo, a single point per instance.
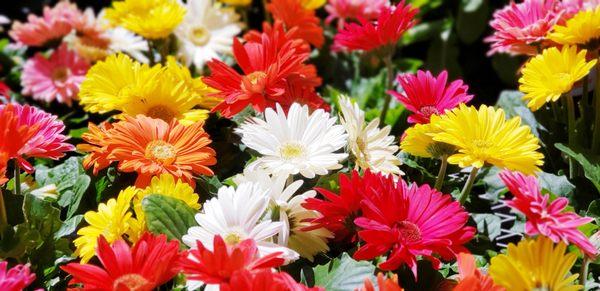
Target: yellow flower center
pixel 161 112
pixel 255 82
pixel 161 151
pixel 232 239
pixel 132 282
pixel 291 151
pixel 482 144
pixel 562 81
pixel 60 74
pixel 199 36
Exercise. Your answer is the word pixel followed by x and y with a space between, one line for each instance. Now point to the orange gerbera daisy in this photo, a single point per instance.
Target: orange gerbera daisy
pixel 151 147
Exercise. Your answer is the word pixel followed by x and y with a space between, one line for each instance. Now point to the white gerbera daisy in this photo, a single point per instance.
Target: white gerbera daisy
pixel 300 142
pixel 235 215
pixel 372 148
pixel 206 32
pixel 123 40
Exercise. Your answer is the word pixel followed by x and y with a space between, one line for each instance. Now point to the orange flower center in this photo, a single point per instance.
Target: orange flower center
pixel 161 112
pixel 200 36
pixel 161 151
pixel 409 231
pixel 132 282
pixel 255 82
pixel 60 74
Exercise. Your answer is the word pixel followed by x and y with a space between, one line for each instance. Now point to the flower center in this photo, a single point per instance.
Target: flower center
pixel 199 36
pixel 232 239
pixel 255 82
pixel 482 144
pixel 132 282
pixel 429 110
pixel 161 112
pixel 290 151
pixel 60 74
pixel 409 231
pixel 161 151
pixel 562 81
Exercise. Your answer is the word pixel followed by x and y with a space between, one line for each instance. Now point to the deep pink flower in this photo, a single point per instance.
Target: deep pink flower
pixel 57 77
pixel 55 23
pixel 48 141
pixel 353 10
pixel 16 278
pixel 409 221
pixel 425 95
pixel 546 217
pixel 518 28
pixel 389 27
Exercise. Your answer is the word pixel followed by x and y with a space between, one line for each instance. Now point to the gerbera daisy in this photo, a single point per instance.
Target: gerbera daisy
pixel 152 147
pixel 535 264
pixel 425 95
pixel 573 7
pixel 409 221
pixel 125 41
pixel 111 221
pixel 207 32
pixel 546 217
pixel 96 147
pixel 56 78
pixel 236 2
pixel 152 19
pixel 270 64
pixel 294 16
pixel 312 4
pixel 391 24
pixel 372 148
pixel 353 10
pixel 383 283
pixel 14 135
pixel 521 28
pixel 151 262
pixel 299 143
pixel 418 141
pixel 553 73
pixel 470 278
pixel 582 29
pixel 265 280
pixel 55 23
pixel 88 38
pixel 15 278
pixel 484 136
pixel 215 264
pixel 235 215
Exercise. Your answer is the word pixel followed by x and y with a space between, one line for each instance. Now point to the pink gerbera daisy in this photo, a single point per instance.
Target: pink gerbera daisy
pixel 409 221
pixel 572 7
pixel 57 77
pixel 54 23
pixel 353 10
pixel 16 278
pixel 519 28
pixel 546 217
pixel 425 95
pixel 387 30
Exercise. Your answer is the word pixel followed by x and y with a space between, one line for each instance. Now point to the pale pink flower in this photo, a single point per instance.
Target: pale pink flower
pixel 572 7
pixel 545 217
pixel 353 10
pixel 52 25
pixel 16 278
pixel 520 28
pixel 56 78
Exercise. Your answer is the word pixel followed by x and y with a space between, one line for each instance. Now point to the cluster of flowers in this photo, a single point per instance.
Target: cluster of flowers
pixel 137 63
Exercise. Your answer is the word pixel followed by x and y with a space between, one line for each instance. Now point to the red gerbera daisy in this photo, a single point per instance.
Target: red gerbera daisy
pixel 218 266
pixel 426 95
pixel 149 264
pixel 269 64
pixel 293 15
pixel 264 280
pixel 470 278
pixel 409 221
pixel 387 30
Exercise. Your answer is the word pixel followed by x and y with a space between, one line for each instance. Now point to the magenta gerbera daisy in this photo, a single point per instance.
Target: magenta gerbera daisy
pixel 55 78
pixel 546 217
pixel 353 10
pixel 520 28
pixel 425 95
pixel 15 278
pixel 407 221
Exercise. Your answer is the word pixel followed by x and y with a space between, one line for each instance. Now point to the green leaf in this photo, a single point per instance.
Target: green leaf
pixel 343 274
pixel 472 19
pixel 513 104
pixel 489 224
pixel 594 210
pixel 591 171
pixel 69 226
pixel 557 185
pixel 168 215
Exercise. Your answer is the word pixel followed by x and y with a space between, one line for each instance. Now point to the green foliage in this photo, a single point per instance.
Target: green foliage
pixel 343 274
pixel 168 215
pixel 591 170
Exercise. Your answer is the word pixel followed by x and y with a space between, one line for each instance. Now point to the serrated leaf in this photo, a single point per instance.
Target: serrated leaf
pixel 344 274
pixel 168 215
pixel 69 226
pixel 489 224
pixel 513 104
pixel 557 185
pixel 591 171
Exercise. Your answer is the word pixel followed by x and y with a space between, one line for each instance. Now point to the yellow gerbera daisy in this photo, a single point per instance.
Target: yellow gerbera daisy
pixel 549 75
pixel 581 29
pixel 121 84
pixel 200 91
pixel 535 265
pixel 237 2
pixel 112 220
pixel 484 136
pixel 313 4
pixel 152 19
pixel 307 243
pixel 418 141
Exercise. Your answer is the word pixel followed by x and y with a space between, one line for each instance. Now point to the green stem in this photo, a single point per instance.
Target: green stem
pixel 390 83
pixel 17 178
pixel 596 134
pixel 151 56
pixel 3 216
pixel 439 181
pixel 572 130
pixel 556 112
pixel 464 194
pixel 583 272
